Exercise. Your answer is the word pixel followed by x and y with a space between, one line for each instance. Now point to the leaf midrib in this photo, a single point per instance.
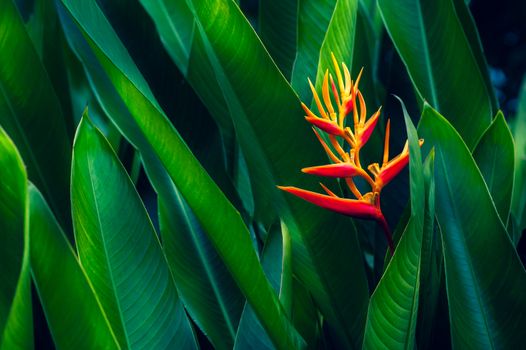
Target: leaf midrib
pixel 463 239
pixel 106 253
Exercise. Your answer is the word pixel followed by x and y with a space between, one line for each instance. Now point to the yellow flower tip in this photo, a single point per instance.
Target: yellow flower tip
pixel 386 142
pixel 348 81
pixel 308 111
pixel 357 82
pixel 325 94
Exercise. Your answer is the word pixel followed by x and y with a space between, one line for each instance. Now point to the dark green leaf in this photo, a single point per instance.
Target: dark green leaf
pixel 276 262
pixel 277 160
pixel 122 258
pixel 313 20
pixel 30 111
pixel 440 54
pixel 194 184
pixel 206 287
pixel 278 23
pixel 74 315
pixel 15 290
pixel 484 276
pixel 430 263
pixel 518 207
pixel 494 154
pixel 391 321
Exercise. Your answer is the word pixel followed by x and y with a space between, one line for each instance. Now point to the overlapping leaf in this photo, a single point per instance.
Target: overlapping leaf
pixel 276 260
pixel 391 321
pixel 74 315
pixel 494 154
pixel 30 111
pixel 484 276
pixel 16 323
pixel 245 70
pixel 278 23
pixel 440 52
pixel 122 258
pixel 185 171
pixel 519 134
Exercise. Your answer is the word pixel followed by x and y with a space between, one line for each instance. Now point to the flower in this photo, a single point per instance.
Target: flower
pixel 346 164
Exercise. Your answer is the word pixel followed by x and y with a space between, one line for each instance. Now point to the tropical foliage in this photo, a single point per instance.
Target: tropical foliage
pixel 143 146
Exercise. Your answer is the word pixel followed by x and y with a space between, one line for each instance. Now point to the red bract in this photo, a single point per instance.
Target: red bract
pixel 346 164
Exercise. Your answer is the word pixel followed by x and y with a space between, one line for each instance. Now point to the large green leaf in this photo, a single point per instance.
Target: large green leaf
pixel 122 257
pixel 184 44
pixel 278 25
pixel 187 248
pixel 393 308
pixel 276 260
pixel 208 291
pixel 194 184
pixel 30 111
pixel 339 38
pixel 262 105
pixel 519 189
pixel 440 54
pixel 313 21
pixel 494 154
pixel 44 29
pixel 15 290
pixel 74 315
pixel 484 277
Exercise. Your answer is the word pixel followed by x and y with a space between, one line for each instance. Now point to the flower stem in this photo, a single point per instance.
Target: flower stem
pixel 387 233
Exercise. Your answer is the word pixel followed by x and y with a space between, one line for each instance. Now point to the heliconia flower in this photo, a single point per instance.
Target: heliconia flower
pixel 390 168
pixel 324 124
pixel 351 207
pixel 345 169
pixel 346 164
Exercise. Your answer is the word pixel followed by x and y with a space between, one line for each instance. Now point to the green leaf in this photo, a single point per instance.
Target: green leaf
pixel 188 175
pixel 260 113
pixel 122 258
pixel 313 21
pixel 339 38
pixel 16 320
pixel 438 49
pixel 430 262
pixel 484 276
pixel 44 29
pixel 276 262
pixel 391 321
pixel 30 112
pixel 518 207
pixel 494 154
pixel 206 287
pixel 278 30
pixel 185 46
pixel 74 315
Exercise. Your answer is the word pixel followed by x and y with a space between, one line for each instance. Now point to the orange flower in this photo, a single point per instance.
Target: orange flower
pixel 346 165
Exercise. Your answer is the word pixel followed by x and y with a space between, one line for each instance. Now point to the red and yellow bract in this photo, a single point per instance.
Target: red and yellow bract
pixel 346 164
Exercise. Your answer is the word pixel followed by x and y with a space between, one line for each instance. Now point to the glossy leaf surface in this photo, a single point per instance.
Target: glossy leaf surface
pixel 440 54
pixel 74 315
pixel 391 321
pixel 494 155
pixel 485 286
pixel 26 95
pixel 243 67
pixel 15 290
pixel 122 258
pixel 166 142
